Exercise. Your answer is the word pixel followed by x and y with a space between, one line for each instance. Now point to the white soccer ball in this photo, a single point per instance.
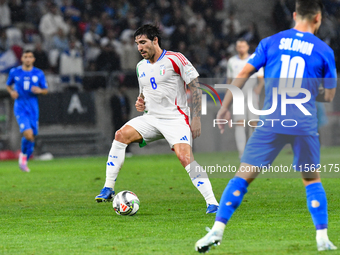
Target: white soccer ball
pixel 126 203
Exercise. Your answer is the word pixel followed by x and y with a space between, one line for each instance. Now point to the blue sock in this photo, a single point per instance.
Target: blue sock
pixel 24 145
pixel 30 149
pixel 231 199
pixel 317 205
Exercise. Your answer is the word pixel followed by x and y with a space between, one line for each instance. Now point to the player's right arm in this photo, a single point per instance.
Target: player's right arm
pixel 10 81
pixel 14 95
pixel 140 104
pixel 239 82
pixel 326 95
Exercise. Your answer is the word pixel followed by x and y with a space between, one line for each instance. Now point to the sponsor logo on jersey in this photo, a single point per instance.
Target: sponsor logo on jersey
pixel 16 78
pixel 142 75
pixel 162 70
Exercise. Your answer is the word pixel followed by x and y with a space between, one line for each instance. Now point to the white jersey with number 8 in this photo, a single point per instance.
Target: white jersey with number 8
pixel 163 85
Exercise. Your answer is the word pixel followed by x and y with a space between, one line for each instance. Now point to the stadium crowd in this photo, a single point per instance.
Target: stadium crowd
pixel 97 35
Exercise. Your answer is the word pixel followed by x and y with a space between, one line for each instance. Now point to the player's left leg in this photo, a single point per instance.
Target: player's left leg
pixel 198 176
pixel 27 148
pixel 261 150
pixel 317 206
pixel 316 195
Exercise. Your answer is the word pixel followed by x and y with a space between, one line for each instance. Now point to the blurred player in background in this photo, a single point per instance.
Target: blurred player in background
pixel 255 82
pixel 29 82
pixel 162 76
pixel 297 54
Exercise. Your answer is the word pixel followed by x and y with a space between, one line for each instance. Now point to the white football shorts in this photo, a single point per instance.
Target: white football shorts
pixel 151 129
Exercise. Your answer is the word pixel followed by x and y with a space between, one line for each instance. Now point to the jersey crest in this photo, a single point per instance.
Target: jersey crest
pixel 162 70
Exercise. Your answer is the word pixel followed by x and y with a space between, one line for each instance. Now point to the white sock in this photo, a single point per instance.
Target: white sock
pixel 218 226
pixel 114 163
pixel 322 234
pixel 240 137
pixel 201 181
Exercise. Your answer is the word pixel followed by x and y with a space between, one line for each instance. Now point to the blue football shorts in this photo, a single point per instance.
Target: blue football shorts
pixel 26 121
pixel 263 147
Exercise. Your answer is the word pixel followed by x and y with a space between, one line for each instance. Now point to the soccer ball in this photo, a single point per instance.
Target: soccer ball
pixel 126 203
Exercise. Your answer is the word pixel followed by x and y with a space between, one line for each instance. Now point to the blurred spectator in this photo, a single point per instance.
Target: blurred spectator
pixel 17 11
pixel 193 36
pixel 147 18
pixel 179 35
pixel 50 23
pixel 209 35
pixel 71 66
pixel 108 60
pixel 282 16
pixel 335 42
pixel 70 11
pixel 111 36
pixel 251 35
pixel 41 59
pixel 201 5
pixel 209 66
pixel 231 27
pixel 4 43
pixel 211 21
pixel 215 50
pixel 177 18
pixel 91 43
pixel 120 108
pixel 129 56
pixel 106 22
pixel 327 30
pixel 5 14
pixel 201 52
pixel 128 32
pixel 182 48
pixel 60 41
pixel 332 6
pixel 163 7
pixel 33 12
pixel 199 22
pixel 188 12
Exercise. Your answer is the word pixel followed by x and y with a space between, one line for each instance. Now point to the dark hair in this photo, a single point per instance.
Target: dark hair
pixel 241 39
pixel 27 51
pixel 308 8
pixel 150 31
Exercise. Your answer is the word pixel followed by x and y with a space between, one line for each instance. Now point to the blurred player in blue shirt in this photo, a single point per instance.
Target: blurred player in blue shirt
pixel 296 62
pixel 28 82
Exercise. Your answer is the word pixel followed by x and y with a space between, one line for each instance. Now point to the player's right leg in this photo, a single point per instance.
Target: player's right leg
pixel 123 137
pixel 27 147
pixel 240 134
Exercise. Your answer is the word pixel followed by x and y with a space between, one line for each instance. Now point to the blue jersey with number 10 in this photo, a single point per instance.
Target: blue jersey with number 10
pixel 27 102
pixel 294 59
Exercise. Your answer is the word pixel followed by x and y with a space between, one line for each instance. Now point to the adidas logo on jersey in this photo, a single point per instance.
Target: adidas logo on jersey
pixel 142 75
pixel 184 138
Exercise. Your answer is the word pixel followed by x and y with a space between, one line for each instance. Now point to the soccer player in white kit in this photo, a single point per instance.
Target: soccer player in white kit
pixel 255 82
pixel 162 77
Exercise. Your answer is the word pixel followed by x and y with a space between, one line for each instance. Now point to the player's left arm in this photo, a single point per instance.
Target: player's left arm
pixel 326 95
pixel 260 84
pixel 42 88
pixel 327 91
pixel 38 90
pixel 196 98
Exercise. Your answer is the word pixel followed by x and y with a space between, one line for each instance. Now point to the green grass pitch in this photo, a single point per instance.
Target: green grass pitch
pixel 51 210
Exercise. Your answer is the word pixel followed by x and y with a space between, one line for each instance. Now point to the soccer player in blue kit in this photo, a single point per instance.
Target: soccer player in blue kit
pixel 29 82
pixel 296 62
